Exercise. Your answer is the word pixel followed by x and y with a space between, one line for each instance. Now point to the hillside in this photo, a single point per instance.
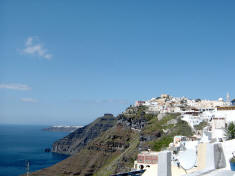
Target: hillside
pixel 98 155
pixel 115 149
pixel 76 140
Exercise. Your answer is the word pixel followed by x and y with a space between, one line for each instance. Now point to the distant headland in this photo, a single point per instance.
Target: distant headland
pixel 62 128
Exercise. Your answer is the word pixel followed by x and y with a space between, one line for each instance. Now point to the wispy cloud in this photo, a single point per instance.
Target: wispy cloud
pixel 28 100
pixel 13 86
pixel 34 47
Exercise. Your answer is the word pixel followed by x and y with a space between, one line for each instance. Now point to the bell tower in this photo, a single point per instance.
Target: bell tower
pixel 228 98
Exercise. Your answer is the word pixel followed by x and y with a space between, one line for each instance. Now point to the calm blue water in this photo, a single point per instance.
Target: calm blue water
pixel 19 143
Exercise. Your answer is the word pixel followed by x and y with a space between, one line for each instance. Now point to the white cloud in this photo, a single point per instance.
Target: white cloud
pixel 34 47
pixel 28 100
pixel 29 41
pixel 22 87
pixel 48 56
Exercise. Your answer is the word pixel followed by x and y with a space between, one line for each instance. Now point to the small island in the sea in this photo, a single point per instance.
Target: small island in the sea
pixel 62 128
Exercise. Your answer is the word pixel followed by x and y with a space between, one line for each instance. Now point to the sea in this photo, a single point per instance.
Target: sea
pixel 20 144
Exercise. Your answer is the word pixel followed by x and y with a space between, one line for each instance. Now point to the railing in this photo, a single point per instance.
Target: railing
pixel 132 173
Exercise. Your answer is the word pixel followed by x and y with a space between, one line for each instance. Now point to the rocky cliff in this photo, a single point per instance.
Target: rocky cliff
pixel 110 145
pixel 78 139
pixel 113 151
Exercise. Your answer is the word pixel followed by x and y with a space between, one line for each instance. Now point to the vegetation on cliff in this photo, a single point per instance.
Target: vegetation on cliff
pixel 167 131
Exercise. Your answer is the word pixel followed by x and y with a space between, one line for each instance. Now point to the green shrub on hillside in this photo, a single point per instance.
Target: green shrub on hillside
pixel 182 128
pixel 169 117
pixel 230 131
pixel 157 125
pixel 139 112
pixel 149 117
pixel 164 142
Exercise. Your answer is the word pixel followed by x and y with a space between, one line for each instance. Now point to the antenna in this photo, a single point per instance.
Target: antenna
pixel 27 168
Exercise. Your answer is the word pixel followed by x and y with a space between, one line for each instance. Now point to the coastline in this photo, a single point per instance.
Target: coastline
pixel 22 143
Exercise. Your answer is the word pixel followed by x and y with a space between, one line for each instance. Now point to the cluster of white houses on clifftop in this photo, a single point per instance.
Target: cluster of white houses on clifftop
pixel 218 113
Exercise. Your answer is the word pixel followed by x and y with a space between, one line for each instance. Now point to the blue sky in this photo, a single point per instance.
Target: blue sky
pixel 68 62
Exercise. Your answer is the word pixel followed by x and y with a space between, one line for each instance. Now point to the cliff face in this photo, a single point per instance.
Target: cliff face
pixel 111 152
pixel 133 123
pixel 81 137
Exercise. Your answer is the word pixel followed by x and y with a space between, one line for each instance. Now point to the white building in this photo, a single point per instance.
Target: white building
pixel 193 118
pixel 218 127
